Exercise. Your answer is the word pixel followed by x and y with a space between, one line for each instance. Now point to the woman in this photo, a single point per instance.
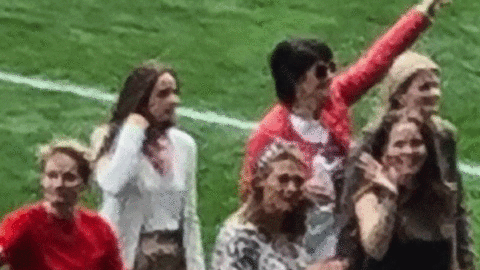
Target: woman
pixel 146 169
pixel 56 233
pixel 411 90
pixel 402 209
pixel 268 231
pixel 313 107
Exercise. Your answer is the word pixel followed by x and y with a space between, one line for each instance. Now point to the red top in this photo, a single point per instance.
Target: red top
pixel 345 90
pixel 30 238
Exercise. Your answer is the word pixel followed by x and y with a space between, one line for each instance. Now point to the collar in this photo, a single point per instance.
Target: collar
pixel 309 130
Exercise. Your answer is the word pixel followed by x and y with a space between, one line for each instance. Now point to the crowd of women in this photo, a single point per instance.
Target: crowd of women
pixel 312 197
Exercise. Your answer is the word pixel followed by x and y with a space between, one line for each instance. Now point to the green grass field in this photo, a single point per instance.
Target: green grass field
pixel 220 49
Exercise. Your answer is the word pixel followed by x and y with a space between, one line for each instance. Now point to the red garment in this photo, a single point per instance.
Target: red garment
pixel 345 90
pixel 31 238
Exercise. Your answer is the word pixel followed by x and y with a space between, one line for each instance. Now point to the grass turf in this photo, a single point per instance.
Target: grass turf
pixel 220 49
pixel 30 123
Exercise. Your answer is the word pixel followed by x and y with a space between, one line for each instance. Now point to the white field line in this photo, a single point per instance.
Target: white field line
pixel 99 95
pixel 207 116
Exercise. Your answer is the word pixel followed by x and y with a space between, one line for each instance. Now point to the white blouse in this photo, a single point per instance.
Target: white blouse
pixel 136 198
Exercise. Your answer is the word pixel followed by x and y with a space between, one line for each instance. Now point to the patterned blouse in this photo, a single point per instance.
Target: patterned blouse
pixel 244 247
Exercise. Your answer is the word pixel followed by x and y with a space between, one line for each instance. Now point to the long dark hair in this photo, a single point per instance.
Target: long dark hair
pixel 430 176
pixel 133 98
pixel 374 143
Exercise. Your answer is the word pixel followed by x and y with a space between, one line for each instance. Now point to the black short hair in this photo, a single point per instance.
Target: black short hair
pixel 291 59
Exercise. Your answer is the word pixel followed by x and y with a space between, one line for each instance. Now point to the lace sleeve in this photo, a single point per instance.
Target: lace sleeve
pixel 236 249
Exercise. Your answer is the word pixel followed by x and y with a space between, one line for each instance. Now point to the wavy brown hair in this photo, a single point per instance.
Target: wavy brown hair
pixel 133 98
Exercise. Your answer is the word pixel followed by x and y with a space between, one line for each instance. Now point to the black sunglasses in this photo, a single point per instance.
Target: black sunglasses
pixel 321 69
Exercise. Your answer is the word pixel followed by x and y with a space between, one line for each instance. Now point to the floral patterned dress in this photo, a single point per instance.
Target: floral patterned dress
pixel 244 247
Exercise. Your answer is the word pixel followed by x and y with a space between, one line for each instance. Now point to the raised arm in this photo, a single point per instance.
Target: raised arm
pixel 114 170
pixel 192 241
pixel 375 209
pixel 372 67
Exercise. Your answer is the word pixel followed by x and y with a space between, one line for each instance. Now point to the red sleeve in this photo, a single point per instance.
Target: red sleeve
pixel 113 258
pixel 12 233
pixel 371 68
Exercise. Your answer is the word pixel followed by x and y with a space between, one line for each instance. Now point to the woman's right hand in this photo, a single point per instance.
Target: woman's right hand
pixel 430 7
pixel 373 172
pixel 137 120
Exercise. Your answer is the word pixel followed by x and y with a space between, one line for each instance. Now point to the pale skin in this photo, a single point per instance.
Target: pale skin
pixel 164 99
pixel 282 190
pixel 61 184
pixel 404 156
pixel 375 207
pixel 329 264
pixel 406 151
pixel 161 107
pixel 281 193
pixel 312 90
pixel 282 187
pixel 421 99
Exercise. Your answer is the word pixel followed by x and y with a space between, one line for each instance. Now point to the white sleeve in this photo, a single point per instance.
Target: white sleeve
pixel 114 170
pixel 192 241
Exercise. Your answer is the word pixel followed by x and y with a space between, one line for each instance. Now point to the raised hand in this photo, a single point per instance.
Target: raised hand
pixel 373 172
pixel 135 119
pixel 430 7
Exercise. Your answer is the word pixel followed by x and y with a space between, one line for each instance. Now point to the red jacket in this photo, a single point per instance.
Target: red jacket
pixel 345 90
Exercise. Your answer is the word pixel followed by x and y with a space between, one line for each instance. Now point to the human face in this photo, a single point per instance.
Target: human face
pixel 281 189
pixel 406 151
pixel 164 99
pixel 312 88
pixel 61 180
pixel 423 93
